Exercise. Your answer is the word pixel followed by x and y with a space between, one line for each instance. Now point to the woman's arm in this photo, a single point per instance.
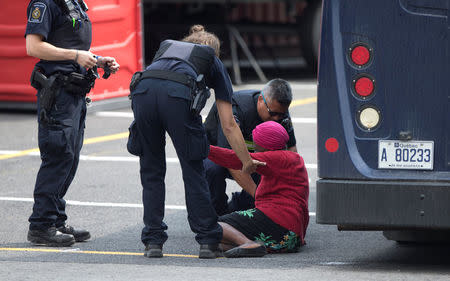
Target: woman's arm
pixel 40 49
pixel 234 136
pixel 224 157
pixel 244 180
pixel 227 158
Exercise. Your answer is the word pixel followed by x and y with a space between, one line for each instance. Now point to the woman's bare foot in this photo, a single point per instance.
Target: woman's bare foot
pixel 250 245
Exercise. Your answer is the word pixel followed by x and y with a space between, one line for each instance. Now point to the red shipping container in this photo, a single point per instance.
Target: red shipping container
pixel 116 26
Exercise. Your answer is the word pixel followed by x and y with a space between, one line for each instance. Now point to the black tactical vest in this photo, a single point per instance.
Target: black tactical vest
pixel 199 57
pixel 75 32
pixel 244 107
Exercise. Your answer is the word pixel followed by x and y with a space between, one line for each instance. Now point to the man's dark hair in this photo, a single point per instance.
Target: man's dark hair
pixel 279 90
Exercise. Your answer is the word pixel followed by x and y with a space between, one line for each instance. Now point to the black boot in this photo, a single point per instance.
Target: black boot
pixel 50 237
pixel 79 234
pixel 153 251
pixel 210 251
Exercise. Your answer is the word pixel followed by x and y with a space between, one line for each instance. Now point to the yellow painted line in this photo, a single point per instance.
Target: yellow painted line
pixel 125 134
pixel 106 138
pixel 75 251
pixel 18 154
pixel 86 141
pixel 303 101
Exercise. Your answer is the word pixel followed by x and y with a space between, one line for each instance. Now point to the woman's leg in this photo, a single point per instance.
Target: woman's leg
pixel 233 237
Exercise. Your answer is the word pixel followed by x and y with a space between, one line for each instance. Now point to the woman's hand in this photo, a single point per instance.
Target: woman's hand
pixel 250 166
pixel 110 62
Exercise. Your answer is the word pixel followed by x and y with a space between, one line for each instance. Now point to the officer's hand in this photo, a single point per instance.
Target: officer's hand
pixel 110 62
pixel 251 166
pixel 86 59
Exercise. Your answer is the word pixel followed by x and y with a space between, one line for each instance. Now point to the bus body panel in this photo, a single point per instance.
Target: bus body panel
pixel 383 205
pixel 410 67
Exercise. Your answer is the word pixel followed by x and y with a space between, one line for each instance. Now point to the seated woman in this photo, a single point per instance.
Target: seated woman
pixel 279 220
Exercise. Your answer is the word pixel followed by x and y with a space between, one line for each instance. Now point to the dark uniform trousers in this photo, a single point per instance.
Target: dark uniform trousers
pixel 160 106
pixel 60 142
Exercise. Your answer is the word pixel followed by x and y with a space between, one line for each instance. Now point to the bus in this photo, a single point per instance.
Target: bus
pixel 384 118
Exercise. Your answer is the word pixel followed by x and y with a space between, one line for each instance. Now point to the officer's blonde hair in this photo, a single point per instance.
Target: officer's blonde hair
pixel 198 35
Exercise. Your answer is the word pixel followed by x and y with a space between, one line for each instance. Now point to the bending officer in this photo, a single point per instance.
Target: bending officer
pixel 168 97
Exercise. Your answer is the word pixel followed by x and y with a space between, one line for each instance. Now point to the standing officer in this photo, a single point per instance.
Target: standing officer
pixel 59 33
pixel 168 98
pixel 250 108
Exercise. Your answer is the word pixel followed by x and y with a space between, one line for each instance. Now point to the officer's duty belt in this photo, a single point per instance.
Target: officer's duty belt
pixel 74 83
pixel 169 75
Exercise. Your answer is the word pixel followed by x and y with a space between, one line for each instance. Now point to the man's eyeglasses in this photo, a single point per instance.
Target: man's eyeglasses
pixel 273 113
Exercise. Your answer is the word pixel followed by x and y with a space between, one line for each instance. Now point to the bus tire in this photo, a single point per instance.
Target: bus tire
pixel 310 32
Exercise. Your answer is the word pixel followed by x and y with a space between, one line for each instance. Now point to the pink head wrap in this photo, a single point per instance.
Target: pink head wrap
pixel 270 135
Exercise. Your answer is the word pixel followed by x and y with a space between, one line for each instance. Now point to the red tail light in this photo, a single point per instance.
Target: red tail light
pixel 331 145
pixel 360 55
pixel 364 86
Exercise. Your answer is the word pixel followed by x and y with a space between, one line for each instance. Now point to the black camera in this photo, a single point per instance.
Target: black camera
pixel 287 124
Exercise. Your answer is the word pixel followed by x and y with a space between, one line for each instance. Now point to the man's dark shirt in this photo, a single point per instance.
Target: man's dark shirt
pixel 247 118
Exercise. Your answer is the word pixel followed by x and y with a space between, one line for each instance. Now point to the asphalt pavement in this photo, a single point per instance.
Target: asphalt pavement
pixel 105 198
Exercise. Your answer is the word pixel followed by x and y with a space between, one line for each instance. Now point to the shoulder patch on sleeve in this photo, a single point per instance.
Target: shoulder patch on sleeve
pixel 37 12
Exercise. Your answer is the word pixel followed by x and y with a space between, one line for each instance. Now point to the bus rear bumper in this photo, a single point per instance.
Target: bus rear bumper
pixel 383 205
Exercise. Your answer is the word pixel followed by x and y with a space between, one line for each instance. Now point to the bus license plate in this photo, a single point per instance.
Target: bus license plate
pixel 413 155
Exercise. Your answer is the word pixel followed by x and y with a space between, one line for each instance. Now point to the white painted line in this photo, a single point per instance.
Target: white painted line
pixel 304 120
pixel 337 263
pixel 18 199
pixel 118 158
pixel 121 159
pixel 115 114
pixel 120 205
pixel 311 86
pixel 104 204
pixel 93 204
pixel 8 152
pixel 109 158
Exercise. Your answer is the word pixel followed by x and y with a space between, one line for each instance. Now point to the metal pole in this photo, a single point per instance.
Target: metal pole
pixel 235 59
pixel 247 52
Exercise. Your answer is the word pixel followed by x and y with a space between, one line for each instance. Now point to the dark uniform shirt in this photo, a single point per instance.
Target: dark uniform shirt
pixel 217 79
pixel 45 17
pixel 246 117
